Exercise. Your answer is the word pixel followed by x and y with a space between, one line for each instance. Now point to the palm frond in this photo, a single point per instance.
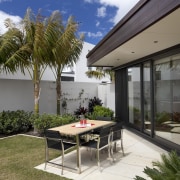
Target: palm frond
pixel 96 74
pixel 166 169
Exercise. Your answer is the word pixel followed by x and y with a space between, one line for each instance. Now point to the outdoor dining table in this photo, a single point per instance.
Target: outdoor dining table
pixel 77 129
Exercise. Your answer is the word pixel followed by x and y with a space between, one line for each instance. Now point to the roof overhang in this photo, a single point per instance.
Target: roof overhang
pixel 151 26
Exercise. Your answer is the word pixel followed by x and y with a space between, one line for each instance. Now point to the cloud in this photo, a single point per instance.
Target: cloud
pixel 101 12
pixel 97 23
pixel 123 6
pixel 1 1
pixel 111 2
pixel 4 16
pixel 88 1
pixel 123 9
pixel 94 35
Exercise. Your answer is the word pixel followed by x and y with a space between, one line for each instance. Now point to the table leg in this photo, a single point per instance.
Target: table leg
pixel 78 154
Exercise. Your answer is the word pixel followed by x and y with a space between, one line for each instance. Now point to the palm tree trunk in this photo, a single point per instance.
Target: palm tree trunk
pixel 36 89
pixel 58 91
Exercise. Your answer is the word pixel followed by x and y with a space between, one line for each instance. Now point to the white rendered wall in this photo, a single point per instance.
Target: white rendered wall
pixel 19 94
pixel 106 92
pixel 81 66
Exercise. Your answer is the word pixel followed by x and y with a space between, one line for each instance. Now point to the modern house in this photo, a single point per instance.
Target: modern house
pixel 144 51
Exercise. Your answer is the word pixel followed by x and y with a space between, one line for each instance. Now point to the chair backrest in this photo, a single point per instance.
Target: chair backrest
pixel 103 118
pixel 104 136
pixel 53 139
pixel 117 131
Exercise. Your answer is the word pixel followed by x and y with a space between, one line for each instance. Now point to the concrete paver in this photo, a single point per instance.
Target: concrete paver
pixel 139 153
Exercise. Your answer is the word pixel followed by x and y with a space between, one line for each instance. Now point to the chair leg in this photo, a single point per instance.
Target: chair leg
pixel 62 167
pixel 46 157
pixel 62 157
pixel 122 147
pixel 111 152
pixel 115 147
pixel 98 160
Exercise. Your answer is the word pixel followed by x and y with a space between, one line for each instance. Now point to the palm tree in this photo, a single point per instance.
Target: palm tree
pixel 65 53
pixel 30 46
pixel 11 42
pixel 100 72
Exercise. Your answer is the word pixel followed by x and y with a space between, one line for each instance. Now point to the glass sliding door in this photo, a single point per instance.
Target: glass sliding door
pixel 146 98
pixel 167 98
pixel 134 96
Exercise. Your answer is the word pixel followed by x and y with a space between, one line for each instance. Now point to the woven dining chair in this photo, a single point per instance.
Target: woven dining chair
pixel 103 118
pixel 117 135
pixel 100 142
pixel 53 140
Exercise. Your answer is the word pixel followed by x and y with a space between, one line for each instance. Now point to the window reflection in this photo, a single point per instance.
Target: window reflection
pixel 167 98
pixel 134 96
pixel 147 97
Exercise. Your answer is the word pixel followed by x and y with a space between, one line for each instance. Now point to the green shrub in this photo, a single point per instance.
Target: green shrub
pixel 162 117
pixel 101 111
pixel 46 121
pixel 12 122
pixel 167 169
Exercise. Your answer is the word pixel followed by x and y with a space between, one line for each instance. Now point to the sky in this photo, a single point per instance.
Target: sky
pixel 95 17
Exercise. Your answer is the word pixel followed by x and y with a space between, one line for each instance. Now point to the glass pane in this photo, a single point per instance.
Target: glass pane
pixel 147 98
pixel 167 98
pixel 134 96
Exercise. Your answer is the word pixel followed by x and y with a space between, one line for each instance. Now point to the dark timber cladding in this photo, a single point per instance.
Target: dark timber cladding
pixel 143 15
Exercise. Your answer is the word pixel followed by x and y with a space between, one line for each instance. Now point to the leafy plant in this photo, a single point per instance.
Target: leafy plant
pixel 12 122
pixel 162 117
pixel 168 169
pixel 46 121
pixel 81 111
pixel 94 102
pixel 101 111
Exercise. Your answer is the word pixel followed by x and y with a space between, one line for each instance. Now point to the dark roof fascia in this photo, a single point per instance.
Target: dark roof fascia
pixel 145 13
pixel 118 25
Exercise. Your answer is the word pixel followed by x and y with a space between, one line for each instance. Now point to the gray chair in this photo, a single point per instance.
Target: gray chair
pixel 100 142
pixel 103 118
pixel 53 140
pixel 97 131
pixel 117 135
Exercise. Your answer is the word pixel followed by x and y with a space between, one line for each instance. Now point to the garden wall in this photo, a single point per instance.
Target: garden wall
pixel 18 94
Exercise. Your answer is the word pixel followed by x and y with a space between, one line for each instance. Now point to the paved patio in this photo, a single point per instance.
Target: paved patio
pixel 139 153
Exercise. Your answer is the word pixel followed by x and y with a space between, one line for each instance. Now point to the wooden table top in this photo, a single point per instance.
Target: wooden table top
pixel 71 129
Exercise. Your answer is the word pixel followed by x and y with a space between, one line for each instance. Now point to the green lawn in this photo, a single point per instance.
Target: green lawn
pixel 18 157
